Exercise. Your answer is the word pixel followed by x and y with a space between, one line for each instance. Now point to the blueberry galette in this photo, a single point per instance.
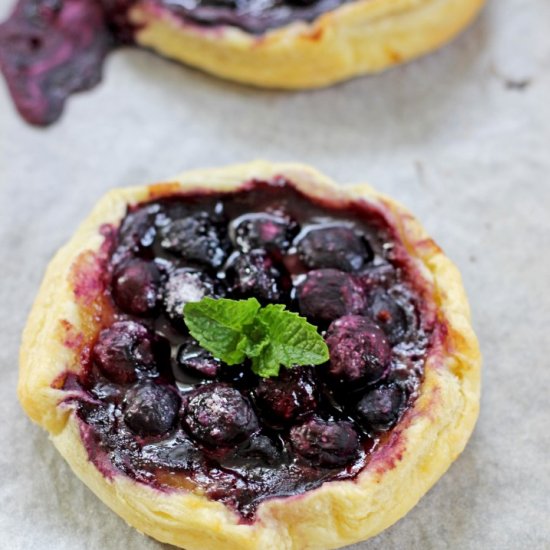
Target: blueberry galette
pixel 253 358
pixel 52 48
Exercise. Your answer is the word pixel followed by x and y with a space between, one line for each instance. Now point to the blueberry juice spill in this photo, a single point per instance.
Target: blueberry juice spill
pixel 50 49
pixel 155 406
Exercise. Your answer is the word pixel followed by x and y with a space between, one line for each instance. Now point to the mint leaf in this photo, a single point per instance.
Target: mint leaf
pixel 293 340
pixel 255 340
pixel 267 364
pixel 233 330
pixel 218 326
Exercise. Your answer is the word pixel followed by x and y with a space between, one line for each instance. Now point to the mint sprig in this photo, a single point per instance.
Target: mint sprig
pixel 271 336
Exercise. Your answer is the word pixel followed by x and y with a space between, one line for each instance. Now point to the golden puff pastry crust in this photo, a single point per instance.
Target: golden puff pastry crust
pixel 363 36
pixel 421 447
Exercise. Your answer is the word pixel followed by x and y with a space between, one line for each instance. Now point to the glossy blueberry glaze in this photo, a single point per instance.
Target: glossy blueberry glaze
pixel 254 16
pixel 156 407
pixel 50 49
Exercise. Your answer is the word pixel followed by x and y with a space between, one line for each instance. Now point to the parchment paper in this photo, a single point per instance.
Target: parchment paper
pixel 462 137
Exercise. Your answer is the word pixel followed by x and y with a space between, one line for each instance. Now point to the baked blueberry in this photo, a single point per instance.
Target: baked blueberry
pixel 196 361
pixel 138 230
pixel 338 247
pixel 388 314
pixel 255 274
pixel 326 443
pixel 151 409
pixel 379 408
pixel 219 415
pixel 122 349
pixel 289 395
pixel 262 230
pixel 183 286
pixel 135 287
pixel 327 294
pixel 102 418
pixel 195 238
pixel 359 350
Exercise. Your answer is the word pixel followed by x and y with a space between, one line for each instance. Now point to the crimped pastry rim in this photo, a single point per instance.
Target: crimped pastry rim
pixel 433 434
pixel 360 37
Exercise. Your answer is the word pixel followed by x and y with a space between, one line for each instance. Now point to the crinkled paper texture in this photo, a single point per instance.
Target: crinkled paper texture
pixel 462 137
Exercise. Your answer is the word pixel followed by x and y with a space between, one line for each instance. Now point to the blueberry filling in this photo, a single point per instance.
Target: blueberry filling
pixel 379 407
pixel 219 415
pixel 328 294
pixel 151 409
pixel 328 443
pixel 181 286
pixel 256 274
pixel 262 231
pixel 50 49
pixel 194 238
pixel 136 287
pixel 126 349
pixel 337 246
pixel 158 407
pixel 196 361
pixel 359 350
pixel 290 395
pixel 254 16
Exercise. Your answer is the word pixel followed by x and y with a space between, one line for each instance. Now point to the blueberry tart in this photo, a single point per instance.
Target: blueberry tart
pixel 253 358
pixel 298 44
pixel 52 48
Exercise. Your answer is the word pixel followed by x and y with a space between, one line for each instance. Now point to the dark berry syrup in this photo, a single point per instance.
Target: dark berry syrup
pixel 50 49
pixel 155 406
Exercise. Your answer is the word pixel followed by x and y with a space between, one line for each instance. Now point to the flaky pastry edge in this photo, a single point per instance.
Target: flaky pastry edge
pixel 421 448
